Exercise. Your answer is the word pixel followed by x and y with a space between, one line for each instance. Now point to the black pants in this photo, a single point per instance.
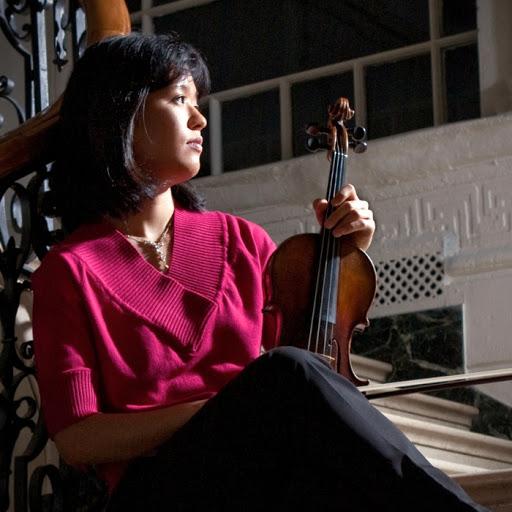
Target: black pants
pixel 288 434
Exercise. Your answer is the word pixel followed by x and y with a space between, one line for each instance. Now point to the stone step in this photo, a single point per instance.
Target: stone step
pixel 493 489
pixel 454 450
pixel 375 371
pixel 429 408
pixel 455 468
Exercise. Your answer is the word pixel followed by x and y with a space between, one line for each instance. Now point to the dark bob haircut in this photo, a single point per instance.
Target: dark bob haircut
pixel 95 174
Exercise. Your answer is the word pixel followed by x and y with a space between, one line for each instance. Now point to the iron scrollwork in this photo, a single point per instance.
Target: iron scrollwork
pixel 67 18
pixel 18 412
pixel 29 41
pixel 6 87
pixel 18 409
pixel 26 232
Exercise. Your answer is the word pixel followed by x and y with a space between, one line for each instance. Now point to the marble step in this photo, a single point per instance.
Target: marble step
pixel 492 489
pixel 429 408
pixel 415 405
pixel 366 368
pixel 454 450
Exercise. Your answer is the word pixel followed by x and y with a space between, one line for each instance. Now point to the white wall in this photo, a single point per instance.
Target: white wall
pixel 495 44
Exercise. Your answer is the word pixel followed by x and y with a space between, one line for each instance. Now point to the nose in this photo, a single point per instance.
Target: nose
pixel 197 121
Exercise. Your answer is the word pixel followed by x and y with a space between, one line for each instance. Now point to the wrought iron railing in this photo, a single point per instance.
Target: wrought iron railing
pixel 26 232
pixel 20 237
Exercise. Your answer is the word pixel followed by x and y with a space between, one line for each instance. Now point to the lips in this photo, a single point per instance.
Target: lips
pixel 196 144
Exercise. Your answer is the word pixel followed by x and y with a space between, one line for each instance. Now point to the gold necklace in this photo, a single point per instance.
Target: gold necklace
pixel 159 246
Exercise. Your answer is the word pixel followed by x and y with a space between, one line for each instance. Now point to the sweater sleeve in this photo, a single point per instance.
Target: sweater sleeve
pixel 271 322
pixel 266 246
pixel 63 344
pixel 259 248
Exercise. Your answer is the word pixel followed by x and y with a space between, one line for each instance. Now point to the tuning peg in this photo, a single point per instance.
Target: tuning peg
pixel 312 128
pixel 360 147
pixel 317 142
pixel 312 144
pixel 318 137
pixel 358 133
pixel 357 139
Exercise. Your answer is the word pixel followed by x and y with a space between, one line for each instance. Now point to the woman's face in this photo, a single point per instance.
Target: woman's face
pixel 167 138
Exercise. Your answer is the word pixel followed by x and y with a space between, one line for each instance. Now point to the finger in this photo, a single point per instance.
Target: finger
pixel 346 193
pixel 320 205
pixel 348 208
pixel 363 227
pixel 353 217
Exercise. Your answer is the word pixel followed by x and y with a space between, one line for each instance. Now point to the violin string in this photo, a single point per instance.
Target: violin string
pixel 328 264
pixel 320 281
pixel 337 244
pixel 328 267
pixel 334 256
pixel 329 273
pixel 320 277
pixel 314 312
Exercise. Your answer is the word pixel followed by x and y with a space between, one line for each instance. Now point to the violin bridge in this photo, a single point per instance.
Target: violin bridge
pixel 331 361
pixel 330 355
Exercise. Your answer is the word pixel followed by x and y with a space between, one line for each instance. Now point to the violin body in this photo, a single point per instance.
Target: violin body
pixel 290 291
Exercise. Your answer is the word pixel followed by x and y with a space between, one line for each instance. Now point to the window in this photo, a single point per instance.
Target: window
pixel 277 65
pixel 395 103
pixel 250 130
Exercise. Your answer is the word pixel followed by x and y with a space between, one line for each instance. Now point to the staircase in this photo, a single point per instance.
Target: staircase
pixel 440 429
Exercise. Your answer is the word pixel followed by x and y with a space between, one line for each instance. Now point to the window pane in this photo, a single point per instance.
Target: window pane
pixel 458 16
pixel 251 131
pixel 133 5
pixel 246 41
pixel 462 83
pixel 399 96
pixel 310 101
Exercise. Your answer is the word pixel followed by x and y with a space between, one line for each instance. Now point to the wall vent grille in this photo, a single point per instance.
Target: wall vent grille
pixel 409 279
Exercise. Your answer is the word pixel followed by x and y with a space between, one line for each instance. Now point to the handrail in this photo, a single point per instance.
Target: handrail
pixel 372 391
pixel 34 142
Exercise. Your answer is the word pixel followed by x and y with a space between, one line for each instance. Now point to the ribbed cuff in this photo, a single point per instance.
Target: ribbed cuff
pixel 71 398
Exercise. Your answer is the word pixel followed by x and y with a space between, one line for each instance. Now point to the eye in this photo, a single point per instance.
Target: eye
pixel 180 99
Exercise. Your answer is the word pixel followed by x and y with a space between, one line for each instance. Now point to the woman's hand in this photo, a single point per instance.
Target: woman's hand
pixel 351 217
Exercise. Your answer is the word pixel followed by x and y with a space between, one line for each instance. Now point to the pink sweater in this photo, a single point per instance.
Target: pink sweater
pixel 114 334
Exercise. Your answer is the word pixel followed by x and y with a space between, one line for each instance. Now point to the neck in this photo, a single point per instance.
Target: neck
pixel 151 221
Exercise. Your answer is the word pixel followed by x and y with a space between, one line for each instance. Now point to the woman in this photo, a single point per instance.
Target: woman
pixel 148 322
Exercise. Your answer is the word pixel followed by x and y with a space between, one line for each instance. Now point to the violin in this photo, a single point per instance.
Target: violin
pixel 319 288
